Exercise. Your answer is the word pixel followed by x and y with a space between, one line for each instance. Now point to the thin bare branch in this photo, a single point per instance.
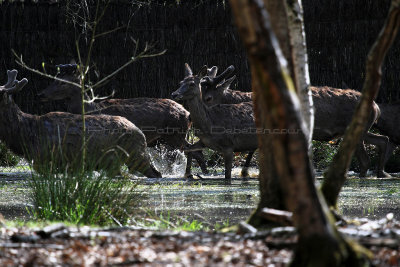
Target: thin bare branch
pixel 94 97
pixel 133 59
pixel 110 31
pixel 20 62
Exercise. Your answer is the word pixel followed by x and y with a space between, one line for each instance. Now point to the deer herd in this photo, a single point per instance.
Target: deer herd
pixel 117 131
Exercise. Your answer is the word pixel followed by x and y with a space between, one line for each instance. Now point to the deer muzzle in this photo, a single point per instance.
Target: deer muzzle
pixel 176 96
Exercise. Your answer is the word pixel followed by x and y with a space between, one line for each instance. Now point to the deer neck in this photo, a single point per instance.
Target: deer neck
pixel 17 129
pixel 74 105
pixel 199 114
pixel 228 96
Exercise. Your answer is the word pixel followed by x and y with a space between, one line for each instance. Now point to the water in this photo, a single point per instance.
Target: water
pixel 371 198
pixel 212 201
pixel 169 163
pixel 209 200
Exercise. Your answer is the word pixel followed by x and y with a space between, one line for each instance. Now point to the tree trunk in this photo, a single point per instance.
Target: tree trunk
pixel 300 74
pixel 270 192
pixel 337 172
pixel 278 109
pixel 287 23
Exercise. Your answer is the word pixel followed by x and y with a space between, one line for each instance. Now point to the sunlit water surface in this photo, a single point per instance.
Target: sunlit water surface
pixel 210 199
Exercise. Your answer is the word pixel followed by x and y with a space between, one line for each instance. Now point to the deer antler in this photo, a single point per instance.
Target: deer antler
pixel 13 85
pixel 11 75
pixel 212 72
pixel 224 74
pixel 210 80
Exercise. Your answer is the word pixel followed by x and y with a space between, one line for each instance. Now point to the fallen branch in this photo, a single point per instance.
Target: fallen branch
pixel 278 216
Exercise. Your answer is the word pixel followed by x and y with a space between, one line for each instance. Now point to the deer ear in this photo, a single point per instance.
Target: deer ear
pixel 202 72
pixel 75 69
pixel 225 84
pixel 188 70
pixel 212 72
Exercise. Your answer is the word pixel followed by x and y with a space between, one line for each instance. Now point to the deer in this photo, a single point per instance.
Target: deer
pixel 224 128
pixel 161 120
pixel 334 109
pixel 55 138
pixel 389 125
pixel 215 90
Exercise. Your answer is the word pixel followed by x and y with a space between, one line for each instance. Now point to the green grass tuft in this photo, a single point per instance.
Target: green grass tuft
pixel 82 197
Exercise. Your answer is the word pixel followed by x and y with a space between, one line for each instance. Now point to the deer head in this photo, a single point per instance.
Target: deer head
pixel 190 86
pixel 213 86
pixel 12 86
pixel 59 90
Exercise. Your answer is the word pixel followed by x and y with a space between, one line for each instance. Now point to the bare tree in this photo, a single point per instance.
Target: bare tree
pixel 276 106
pixel 337 172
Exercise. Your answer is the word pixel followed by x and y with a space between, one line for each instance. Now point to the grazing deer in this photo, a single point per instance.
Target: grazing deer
pixel 161 120
pixel 223 128
pixel 111 140
pixel 334 109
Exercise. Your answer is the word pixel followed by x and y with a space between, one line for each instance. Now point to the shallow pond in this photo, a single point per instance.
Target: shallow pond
pixel 211 200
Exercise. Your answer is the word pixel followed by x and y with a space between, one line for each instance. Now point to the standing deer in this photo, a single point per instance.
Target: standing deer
pixel 215 90
pixel 161 120
pixel 334 109
pixel 223 128
pixel 389 125
pixel 111 140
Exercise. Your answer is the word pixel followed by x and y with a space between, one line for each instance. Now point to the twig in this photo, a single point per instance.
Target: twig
pixel 20 62
pixel 133 59
pixel 110 31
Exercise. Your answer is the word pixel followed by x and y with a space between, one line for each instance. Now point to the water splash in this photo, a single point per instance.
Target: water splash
pixel 253 172
pixel 171 163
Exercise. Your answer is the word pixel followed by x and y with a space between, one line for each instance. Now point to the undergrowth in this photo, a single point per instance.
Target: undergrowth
pixel 7 158
pixel 88 197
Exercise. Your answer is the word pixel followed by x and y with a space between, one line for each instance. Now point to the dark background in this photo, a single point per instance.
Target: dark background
pixel 339 35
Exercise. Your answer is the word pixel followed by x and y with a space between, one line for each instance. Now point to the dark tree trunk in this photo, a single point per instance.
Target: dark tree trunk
pixel 287 23
pixel 337 172
pixel 277 108
pixel 270 192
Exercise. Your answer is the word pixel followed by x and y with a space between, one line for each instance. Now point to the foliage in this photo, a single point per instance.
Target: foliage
pixel 393 164
pixel 87 197
pixel 7 158
pixel 323 153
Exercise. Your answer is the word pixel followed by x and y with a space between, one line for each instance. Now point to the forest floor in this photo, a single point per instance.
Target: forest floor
pixel 61 245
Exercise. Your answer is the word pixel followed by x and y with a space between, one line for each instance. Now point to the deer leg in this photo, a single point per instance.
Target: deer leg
pixel 389 151
pixel 152 172
pixel 245 169
pixel 198 155
pixel 381 142
pixel 194 151
pixel 188 171
pixel 363 159
pixel 228 157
